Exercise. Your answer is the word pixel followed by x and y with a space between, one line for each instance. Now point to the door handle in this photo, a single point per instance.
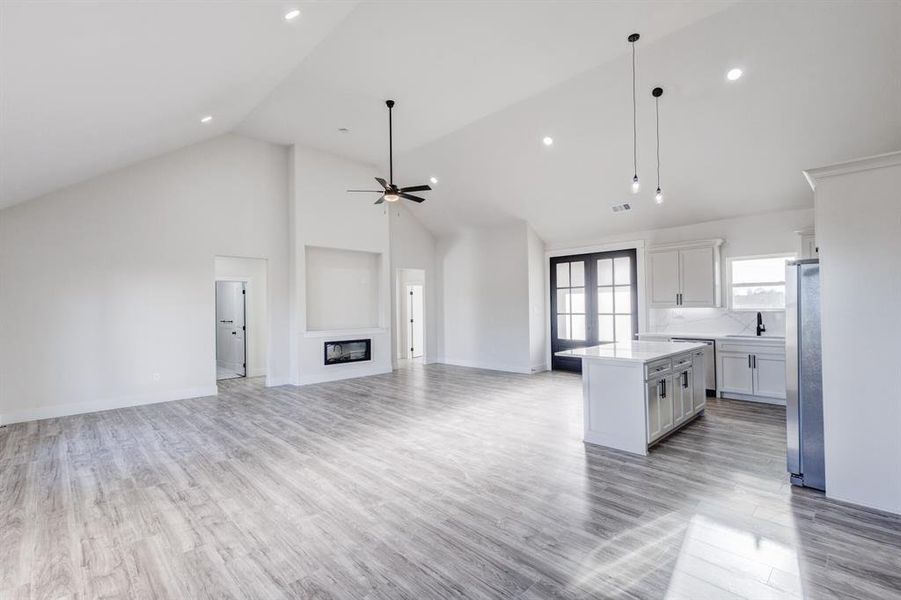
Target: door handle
pixel 684 379
pixel 226 321
pixel 234 333
pixel 749 362
pixel 755 361
pixel 663 384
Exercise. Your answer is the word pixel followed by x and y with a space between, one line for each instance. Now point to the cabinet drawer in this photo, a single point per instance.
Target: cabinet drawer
pixel 658 367
pixel 751 348
pixel 682 360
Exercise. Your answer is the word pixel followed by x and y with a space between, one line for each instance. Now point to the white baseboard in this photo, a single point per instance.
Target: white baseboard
pixel 257 372
pixel 277 381
pixel 539 367
pixel 78 408
pixel 746 398
pixel 490 366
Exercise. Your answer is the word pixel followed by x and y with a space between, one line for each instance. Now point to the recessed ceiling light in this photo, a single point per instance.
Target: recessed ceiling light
pixel 434 180
pixel 206 119
pixel 548 141
pixel 292 14
pixel 733 74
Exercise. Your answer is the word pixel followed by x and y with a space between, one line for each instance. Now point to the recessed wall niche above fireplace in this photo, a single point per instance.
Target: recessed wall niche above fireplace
pixel 347 351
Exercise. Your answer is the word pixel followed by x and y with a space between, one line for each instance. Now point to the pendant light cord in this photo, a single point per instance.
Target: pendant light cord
pixel 657 111
pixel 634 118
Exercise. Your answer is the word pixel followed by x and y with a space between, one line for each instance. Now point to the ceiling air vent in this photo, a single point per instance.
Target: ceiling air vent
pixel 621 207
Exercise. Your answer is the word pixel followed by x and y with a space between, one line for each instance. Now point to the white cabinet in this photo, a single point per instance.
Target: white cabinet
pixel 660 406
pixel 685 275
pixel 734 373
pixel 807 244
pixel 769 375
pixel 751 369
pixel 699 364
pixel 683 392
pixel 664 277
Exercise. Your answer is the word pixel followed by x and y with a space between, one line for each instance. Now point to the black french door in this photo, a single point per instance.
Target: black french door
pixel 594 300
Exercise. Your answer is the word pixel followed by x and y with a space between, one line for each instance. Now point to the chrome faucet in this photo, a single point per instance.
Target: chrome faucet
pixel 760 326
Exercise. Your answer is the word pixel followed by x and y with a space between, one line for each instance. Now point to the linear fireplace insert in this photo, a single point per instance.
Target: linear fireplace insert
pixel 347 351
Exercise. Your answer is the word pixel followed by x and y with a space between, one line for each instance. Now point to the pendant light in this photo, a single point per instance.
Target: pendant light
pixel 635 185
pixel 657 92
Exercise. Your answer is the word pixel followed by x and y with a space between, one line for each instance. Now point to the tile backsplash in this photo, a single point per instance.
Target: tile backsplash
pixel 712 321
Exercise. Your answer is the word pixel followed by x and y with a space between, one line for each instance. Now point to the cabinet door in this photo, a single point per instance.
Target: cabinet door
pixel 667 404
pixel 652 394
pixel 735 373
pixel 698 383
pixel 769 375
pixel 698 277
pixel 664 277
pixel 682 395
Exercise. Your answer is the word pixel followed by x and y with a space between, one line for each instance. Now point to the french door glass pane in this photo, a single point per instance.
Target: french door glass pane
pixel 576 301
pixel 622 268
pixel 563 327
pixel 605 328
pixel 563 304
pixel 605 299
pixel 578 327
pixel 605 271
pixel 562 275
pixel 623 299
pixel 623 328
pixel 577 271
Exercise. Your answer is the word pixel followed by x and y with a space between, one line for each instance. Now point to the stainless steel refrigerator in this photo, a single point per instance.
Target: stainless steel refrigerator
pixel 804 374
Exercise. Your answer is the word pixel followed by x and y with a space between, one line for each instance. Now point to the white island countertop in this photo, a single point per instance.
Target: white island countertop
pixel 638 351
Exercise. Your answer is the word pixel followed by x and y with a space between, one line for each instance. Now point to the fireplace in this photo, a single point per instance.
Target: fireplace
pixel 347 351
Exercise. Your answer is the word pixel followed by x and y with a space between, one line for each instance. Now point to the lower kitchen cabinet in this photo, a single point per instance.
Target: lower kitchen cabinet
pixel 751 370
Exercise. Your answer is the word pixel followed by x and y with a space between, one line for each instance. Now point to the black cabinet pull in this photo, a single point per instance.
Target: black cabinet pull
pixel 749 361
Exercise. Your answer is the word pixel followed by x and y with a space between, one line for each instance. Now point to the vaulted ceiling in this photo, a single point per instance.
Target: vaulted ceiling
pixel 88 87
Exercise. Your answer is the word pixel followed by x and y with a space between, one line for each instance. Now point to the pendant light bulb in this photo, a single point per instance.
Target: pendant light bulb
pixel 635 185
pixel 658 197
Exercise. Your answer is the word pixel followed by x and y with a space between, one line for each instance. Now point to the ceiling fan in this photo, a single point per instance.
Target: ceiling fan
pixel 390 192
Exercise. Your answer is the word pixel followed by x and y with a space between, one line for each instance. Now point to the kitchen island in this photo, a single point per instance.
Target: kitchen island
pixel 636 393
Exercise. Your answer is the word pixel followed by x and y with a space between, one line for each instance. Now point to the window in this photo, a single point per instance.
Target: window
pixel 571 300
pixel 758 283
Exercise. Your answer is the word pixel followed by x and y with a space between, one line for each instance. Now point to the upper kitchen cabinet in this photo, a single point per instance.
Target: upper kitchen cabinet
pixel 685 275
pixel 807 244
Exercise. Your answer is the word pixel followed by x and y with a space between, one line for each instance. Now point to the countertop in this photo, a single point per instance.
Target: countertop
pixel 648 335
pixel 640 352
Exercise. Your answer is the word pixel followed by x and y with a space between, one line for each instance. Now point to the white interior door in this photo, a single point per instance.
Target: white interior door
pixel 230 326
pixel 415 314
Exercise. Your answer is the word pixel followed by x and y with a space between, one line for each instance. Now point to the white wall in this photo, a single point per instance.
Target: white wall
pixel 538 318
pixel 107 294
pixel 484 301
pixel 858 226
pixel 769 233
pixel 342 289
pixel 252 271
pixel 414 247
pixel 323 214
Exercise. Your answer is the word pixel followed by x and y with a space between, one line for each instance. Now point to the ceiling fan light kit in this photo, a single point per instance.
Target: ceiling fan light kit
pixel 391 192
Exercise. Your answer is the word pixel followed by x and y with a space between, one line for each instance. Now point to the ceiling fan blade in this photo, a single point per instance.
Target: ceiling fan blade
pixel 369 191
pixel 380 200
pixel 416 188
pixel 411 197
pixel 382 182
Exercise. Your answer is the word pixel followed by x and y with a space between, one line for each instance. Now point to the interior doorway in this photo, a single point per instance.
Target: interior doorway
pixel 410 334
pixel 231 328
pixel 241 317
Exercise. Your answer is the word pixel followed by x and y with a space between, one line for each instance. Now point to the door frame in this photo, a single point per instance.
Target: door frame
pixel 243 281
pixel 590 280
pixel 593 248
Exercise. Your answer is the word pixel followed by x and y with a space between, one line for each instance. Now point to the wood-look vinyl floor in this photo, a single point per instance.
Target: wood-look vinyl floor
pixel 431 482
